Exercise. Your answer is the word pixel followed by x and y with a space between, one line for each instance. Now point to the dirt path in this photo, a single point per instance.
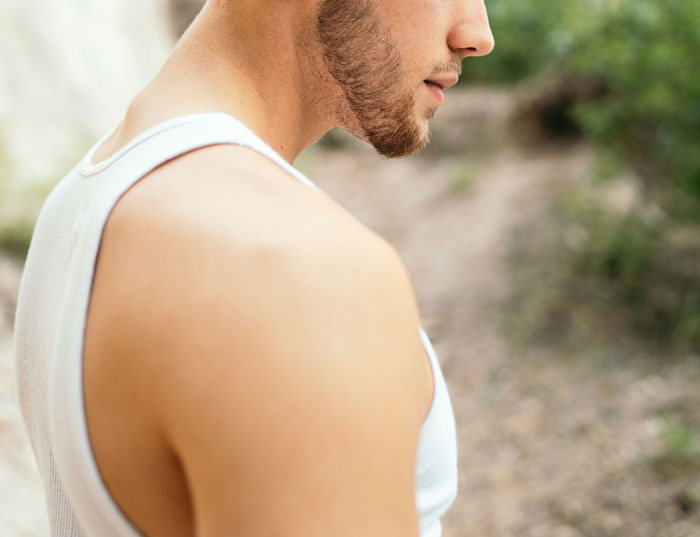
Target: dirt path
pixel 549 446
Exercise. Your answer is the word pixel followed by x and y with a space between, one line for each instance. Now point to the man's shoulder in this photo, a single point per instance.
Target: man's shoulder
pixel 226 225
pixel 207 273
pixel 234 192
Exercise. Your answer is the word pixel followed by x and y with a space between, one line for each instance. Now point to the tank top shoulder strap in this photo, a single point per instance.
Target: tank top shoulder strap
pixel 178 136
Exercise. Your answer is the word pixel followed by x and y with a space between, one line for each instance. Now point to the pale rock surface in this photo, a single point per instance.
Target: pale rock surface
pixel 68 70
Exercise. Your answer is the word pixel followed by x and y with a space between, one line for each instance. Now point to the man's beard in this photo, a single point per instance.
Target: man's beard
pixel 361 56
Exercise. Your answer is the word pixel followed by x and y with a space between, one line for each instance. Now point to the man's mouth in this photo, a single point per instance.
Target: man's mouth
pixel 436 91
pixel 444 82
pixel 437 85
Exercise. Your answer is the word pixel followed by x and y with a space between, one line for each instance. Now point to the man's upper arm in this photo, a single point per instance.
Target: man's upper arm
pixel 292 388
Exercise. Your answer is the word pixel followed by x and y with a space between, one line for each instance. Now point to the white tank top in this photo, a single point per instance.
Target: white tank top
pixel 50 321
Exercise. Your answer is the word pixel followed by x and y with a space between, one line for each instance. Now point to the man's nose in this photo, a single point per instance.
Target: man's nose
pixel 471 34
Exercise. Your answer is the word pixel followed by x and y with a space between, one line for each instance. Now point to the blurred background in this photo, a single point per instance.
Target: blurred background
pixel 552 230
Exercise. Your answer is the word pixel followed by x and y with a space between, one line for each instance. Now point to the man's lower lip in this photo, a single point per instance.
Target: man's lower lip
pixel 436 91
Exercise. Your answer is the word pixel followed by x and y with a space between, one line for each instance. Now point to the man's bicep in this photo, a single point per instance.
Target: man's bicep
pixel 305 420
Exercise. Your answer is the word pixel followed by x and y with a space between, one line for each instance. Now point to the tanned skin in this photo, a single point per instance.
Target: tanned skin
pixel 252 362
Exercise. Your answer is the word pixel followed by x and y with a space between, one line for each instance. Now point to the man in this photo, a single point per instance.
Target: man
pixel 250 362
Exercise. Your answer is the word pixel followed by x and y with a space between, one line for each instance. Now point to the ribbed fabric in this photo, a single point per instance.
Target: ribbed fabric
pixel 50 323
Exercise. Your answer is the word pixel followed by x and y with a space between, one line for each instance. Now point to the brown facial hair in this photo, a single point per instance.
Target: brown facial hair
pixel 361 56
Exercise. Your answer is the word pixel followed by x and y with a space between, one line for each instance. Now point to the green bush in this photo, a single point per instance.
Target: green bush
pixel 531 38
pixel 647 53
pixel 643 51
pixel 630 271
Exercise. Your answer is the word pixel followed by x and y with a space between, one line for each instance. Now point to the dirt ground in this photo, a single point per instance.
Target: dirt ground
pixel 550 445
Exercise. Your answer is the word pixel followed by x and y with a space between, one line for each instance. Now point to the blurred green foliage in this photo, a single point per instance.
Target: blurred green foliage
pixel 594 272
pixel 462 176
pixel 644 52
pixel 19 206
pixel 590 273
pixel 679 448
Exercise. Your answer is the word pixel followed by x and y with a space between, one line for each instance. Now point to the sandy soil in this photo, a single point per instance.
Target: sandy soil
pixel 550 445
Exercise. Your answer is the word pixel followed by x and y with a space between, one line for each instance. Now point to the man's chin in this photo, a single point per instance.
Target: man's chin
pixel 404 143
pixel 397 141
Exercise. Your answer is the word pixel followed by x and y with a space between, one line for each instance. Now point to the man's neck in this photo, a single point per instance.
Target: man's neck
pixel 254 64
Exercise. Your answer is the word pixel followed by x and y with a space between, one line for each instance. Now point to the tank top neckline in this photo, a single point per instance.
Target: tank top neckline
pixel 87 168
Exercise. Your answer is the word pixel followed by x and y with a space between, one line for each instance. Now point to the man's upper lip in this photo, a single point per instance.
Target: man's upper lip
pixel 445 82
